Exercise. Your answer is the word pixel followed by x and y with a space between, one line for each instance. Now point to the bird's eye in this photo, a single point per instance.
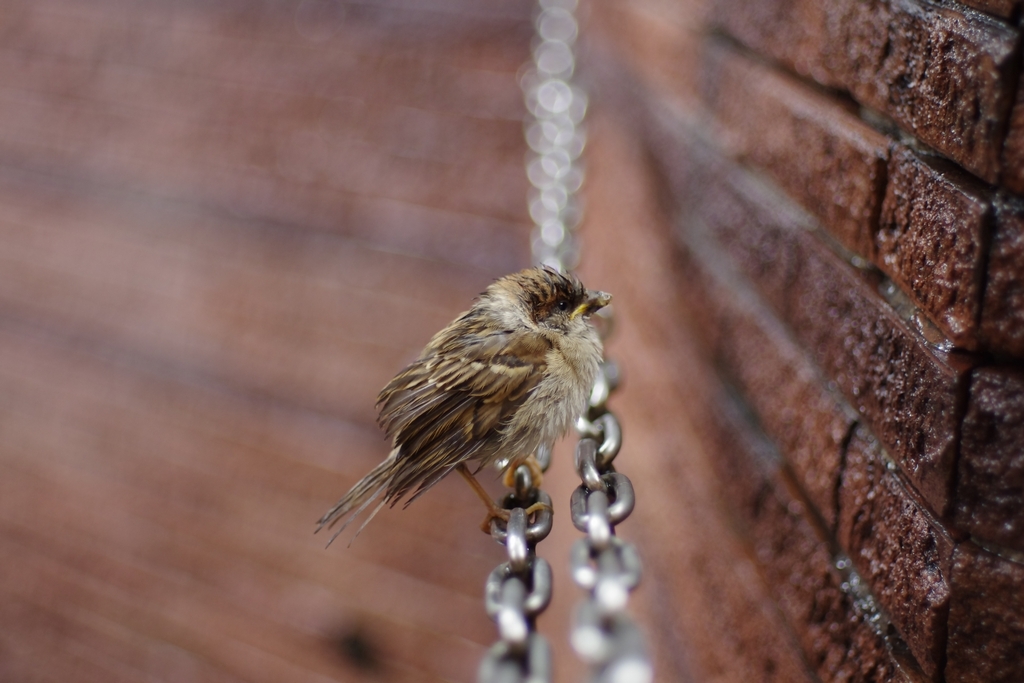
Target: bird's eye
pixel 563 305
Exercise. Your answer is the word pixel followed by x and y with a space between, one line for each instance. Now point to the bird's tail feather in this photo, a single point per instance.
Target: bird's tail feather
pixel 359 497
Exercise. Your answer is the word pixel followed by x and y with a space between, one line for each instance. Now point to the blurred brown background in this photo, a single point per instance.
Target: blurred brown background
pixel 225 225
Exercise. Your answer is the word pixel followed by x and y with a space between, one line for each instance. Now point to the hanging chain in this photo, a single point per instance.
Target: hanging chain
pixel 517 591
pixel 555 136
pixel 608 568
pixel 603 635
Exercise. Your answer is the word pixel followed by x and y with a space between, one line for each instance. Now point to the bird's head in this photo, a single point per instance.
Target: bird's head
pixel 547 299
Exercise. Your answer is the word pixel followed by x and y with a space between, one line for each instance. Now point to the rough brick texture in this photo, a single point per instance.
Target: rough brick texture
pixel 1002 312
pixel 1000 8
pixel 986 633
pixel 926 352
pixel 1013 147
pixel 838 636
pixel 908 391
pixel 785 390
pixel 721 623
pixel 943 73
pixel 990 485
pixel 833 627
pixel 932 241
pixel 903 554
pixel 813 146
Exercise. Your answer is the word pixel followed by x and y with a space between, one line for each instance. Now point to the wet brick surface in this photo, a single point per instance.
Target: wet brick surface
pixel 812 145
pixel 990 485
pixel 986 634
pixel 932 241
pixel 904 555
pixel 943 73
pixel 834 631
pixel 1002 312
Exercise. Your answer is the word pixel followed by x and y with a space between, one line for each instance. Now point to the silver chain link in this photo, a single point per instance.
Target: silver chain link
pixel 555 135
pixel 517 591
pixel 608 568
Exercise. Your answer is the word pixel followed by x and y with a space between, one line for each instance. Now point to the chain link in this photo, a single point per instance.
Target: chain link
pixel 517 591
pixel 607 567
pixel 555 135
pixel 556 139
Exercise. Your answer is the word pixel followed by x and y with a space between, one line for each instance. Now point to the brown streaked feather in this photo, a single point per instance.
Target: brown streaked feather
pixel 451 404
pixel 483 388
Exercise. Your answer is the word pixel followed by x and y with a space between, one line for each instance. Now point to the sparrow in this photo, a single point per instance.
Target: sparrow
pixel 513 372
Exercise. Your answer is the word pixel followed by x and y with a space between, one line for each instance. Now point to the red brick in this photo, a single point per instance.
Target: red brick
pixel 752 221
pixel 1000 8
pixel 224 296
pixel 837 631
pixel 785 389
pixel 1013 146
pixel 142 495
pixel 703 607
pixel 989 498
pixel 1002 309
pixel 932 240
pixel 792 403
pixel 725 438
pixel 832 624
pixel 986 618
pixel 262 166
pixel 267 124
pixel 944 73
pixel 907 390
pixel 812 145
pixel 792 32
pixel 703 315
pixel 493 37
pixel 739 634
pixel 901 551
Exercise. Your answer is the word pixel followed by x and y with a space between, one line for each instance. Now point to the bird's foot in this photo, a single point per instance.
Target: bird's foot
pixel 536 472
pixel 493 514
pixel 496 512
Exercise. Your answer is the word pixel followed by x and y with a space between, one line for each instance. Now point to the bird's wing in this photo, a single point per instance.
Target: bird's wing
pixel 452 402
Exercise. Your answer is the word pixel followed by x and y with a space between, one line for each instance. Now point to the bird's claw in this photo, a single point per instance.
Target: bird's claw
pixel 493 514
pixel 504 515
pixel 536 472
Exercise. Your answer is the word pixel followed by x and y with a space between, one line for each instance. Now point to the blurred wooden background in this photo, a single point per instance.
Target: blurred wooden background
pixel 225 225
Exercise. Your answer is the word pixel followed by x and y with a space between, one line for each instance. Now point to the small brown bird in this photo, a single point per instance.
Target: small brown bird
pixel 511 373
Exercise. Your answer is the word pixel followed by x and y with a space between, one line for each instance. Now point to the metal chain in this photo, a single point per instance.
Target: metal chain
pixel 609 568
pixel 555 135
pixel 517 591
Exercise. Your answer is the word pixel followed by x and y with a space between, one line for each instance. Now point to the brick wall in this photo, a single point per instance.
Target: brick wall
pixel 838 189
pixel 224 226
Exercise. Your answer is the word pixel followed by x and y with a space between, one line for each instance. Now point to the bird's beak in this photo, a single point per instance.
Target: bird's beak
pixel 595 302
